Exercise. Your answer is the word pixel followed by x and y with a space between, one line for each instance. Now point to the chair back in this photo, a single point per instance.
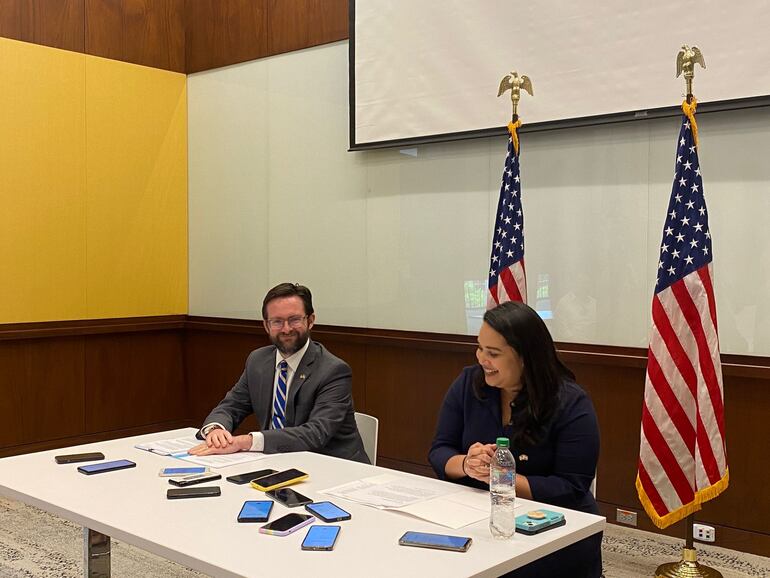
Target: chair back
pixel 367 427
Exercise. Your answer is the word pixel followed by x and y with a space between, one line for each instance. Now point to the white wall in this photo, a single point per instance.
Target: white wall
pixel 388 238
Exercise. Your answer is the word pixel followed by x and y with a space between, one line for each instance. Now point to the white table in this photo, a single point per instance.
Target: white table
pixel 203 533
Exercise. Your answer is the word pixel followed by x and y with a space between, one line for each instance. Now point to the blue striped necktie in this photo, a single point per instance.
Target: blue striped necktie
pixel 279 403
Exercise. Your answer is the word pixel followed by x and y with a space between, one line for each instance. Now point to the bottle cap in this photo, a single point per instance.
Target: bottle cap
pixel 503 443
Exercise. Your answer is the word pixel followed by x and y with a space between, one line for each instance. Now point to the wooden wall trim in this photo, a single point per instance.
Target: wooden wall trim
pixel 13 331
pixel 609 355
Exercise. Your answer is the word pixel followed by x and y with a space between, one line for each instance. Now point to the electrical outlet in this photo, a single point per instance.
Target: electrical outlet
pixel 703 533
pixel 626 517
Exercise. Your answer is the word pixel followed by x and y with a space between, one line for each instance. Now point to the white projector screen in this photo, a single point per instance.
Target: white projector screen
pixel 429 70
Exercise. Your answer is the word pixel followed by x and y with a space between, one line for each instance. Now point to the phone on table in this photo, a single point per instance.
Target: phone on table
pixel 185 471
pixel 197 492
pixel 75 458
pixel 287 524
pixel 255 511
pixel 248 476
pixel 195 479
pixel 437 541
pixel 327 511
pixel 278 480
pixel 321 538
pixel 538 521
pixel 106 467
pixel 289 497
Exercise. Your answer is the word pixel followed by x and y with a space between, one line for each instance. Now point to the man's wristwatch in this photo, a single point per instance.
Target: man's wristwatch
pixel 210 428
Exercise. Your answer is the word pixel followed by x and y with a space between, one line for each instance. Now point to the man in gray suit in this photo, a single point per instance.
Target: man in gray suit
pixel 300 393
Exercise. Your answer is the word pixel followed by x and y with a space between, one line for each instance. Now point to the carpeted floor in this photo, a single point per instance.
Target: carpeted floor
pixel 34 544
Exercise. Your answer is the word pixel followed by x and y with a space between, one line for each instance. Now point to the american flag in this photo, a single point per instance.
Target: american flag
pixel 682 458
pixel 507 280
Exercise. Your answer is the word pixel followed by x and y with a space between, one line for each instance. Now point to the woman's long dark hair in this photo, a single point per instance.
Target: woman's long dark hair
pixel 544 373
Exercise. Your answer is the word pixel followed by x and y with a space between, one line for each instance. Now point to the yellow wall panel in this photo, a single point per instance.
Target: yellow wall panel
pixel 42 183
pixel 136 190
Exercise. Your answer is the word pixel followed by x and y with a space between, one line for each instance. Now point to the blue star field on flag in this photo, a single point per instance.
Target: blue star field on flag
pixel 508 238
pixel 686 245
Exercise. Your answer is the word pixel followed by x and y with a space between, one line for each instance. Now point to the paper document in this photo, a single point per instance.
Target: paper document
pixel 178 447
pixel 170 447
pixel 222 460
pixel 448 505
pixel 389 491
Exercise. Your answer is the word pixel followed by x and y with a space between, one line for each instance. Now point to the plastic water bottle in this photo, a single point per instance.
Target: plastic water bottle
pixel 502 491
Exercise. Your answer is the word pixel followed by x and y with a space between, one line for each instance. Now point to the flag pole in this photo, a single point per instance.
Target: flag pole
pixel 507 276
pixel 688 566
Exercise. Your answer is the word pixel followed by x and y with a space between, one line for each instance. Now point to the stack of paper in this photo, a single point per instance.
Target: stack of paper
pixel 178 447
pixel 448 505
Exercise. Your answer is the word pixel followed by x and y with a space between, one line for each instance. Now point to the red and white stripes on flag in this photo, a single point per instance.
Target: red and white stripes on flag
pixel 682 456
pixel 507 279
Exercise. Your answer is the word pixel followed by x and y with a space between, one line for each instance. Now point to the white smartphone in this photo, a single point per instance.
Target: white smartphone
pixel 182 471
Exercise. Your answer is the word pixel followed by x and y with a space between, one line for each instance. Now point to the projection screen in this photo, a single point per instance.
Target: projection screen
pixel 429 70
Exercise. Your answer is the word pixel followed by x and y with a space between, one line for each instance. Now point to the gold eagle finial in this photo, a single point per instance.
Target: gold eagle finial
pixel 686 60
pixel 515 83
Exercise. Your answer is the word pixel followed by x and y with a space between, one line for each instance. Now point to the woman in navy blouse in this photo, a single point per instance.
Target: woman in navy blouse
pixel 521 390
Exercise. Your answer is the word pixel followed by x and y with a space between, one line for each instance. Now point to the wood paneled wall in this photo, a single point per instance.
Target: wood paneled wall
pixel 65 383
pixel 147 32
pixel 224 32
pixel 71 382
pixel 178 35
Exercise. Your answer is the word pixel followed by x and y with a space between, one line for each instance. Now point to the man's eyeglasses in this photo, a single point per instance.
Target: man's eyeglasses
pixel 294 322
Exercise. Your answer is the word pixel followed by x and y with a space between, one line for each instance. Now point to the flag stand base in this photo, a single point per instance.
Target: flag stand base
pixel 687 567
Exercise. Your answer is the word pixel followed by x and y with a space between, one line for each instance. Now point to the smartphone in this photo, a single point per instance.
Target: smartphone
pixel 327 512
pixel 195 479
pixel 188 471
pixel 248 476
pixel 321 538
pixel 106 467
pixel 289 497
pixel 199 492
pixel 438 541
pixel 278 480
pixel 75 458
pixel 255 511
pixel 538 521
pixel 287 524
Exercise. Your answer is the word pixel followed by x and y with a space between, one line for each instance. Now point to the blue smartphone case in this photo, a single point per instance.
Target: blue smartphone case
pixel 534 524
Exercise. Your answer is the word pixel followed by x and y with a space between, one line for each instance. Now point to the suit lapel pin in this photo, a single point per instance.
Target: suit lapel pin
pixel 302 376
pixel 523 458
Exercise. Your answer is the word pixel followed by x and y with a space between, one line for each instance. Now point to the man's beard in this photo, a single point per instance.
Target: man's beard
pixel 291 343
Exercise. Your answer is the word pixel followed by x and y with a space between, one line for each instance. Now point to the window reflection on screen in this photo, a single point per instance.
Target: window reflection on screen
pixel 476 293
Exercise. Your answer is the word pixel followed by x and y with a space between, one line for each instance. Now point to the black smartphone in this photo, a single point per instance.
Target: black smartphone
pixel 106 467
pixel 289 497
pixel 327 512
pixel 248 476
pixel 197 492
pixel 437 541
pixel 75 458
pixel 278 480
pixel 321 538
pixel 255 511
pixel 195 479
pixel 287 524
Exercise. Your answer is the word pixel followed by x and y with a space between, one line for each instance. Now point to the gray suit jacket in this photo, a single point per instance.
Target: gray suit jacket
pixel 319 410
